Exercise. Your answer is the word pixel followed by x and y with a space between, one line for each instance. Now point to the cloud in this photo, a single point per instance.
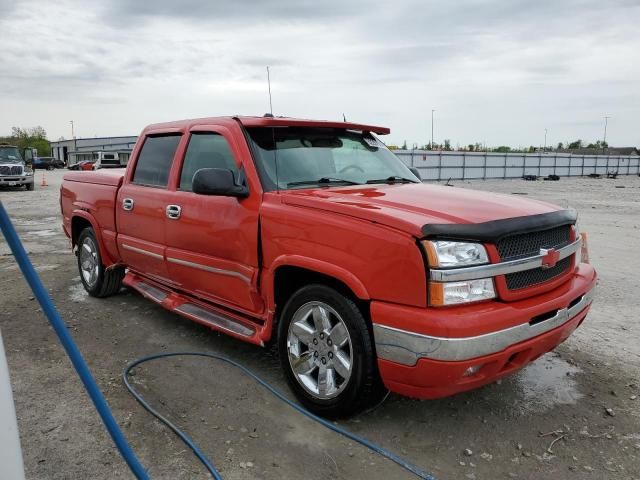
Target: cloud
pixel 497 72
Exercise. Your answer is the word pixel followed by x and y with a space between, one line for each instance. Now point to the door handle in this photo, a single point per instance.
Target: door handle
pixel 173 211
pixel 127 204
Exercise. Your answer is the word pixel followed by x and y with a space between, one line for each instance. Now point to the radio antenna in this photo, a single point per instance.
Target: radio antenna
pixel 269 84
pixel 273 133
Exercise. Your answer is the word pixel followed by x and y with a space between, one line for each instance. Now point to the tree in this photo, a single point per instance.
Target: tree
pixel 502 149
pixel 471 147
pixel 576 144
pixel 404 145
pixel 560 146
pixel 34 137
pixel 447 144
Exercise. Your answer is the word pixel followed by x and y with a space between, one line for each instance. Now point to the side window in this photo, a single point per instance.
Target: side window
pixel 154 161
pixel 205 150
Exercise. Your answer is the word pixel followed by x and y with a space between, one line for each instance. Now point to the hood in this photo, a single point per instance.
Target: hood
pixel 409 207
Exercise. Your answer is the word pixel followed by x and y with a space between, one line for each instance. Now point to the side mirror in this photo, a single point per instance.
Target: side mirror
pixel 28 156
pixel 217 181
pixel 415 171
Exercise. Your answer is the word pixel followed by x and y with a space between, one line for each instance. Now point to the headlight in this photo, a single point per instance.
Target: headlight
pixel 454 293
pixel 446 254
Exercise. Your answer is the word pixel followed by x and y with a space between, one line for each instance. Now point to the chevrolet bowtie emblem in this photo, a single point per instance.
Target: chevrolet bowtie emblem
pixel 549 257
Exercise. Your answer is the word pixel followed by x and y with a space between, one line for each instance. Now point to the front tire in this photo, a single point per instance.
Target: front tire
pixel 29 187
pixel 97 281
pixel 326 351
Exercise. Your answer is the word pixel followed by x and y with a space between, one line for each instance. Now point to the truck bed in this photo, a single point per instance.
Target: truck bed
pixel 92 196
pixel 100 177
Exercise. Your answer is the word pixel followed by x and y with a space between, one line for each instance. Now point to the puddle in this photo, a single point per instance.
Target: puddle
pixel 42 233
pixel 32 223
pixel 46 268
pixel 40 268
pixel 77 293
pixel 547 382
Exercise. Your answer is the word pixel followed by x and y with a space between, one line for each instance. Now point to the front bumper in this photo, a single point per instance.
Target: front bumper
pixel 434 361
pixel 16 180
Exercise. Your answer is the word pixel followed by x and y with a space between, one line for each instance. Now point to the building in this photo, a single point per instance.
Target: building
pixel 78 149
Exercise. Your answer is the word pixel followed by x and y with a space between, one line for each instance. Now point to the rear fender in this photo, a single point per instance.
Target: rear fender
pixel 107 259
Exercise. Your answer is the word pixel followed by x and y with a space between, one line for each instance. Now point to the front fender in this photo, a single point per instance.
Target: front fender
pixel 319 266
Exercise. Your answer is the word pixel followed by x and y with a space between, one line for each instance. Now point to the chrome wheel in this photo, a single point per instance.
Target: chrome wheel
pixel 319 350
pixel 89 262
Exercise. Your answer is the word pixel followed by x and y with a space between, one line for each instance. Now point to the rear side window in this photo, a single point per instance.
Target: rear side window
pixel 154 162
pixel 206 150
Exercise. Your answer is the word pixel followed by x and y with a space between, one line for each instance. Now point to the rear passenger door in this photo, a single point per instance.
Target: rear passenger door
pixel 212 245
pixel 140 207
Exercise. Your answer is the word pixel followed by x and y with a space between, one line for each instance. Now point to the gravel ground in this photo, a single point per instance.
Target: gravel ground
pixel 503 430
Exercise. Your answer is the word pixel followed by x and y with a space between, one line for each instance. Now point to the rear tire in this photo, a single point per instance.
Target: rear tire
pixel 97 281
pixel 326 351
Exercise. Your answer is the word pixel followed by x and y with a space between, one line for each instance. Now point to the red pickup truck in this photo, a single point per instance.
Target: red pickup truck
pixel 313 235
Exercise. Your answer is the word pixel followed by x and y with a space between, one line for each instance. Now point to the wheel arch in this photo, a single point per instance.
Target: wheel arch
pixel 81 220
pixel 289 274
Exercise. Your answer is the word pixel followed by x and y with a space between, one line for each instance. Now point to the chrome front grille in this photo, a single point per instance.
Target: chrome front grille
pixel 529 244
pixel 525 245
pixel 536 276
pixel 10 170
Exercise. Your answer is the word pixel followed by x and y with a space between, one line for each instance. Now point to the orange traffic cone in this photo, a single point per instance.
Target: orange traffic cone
pixel 44 181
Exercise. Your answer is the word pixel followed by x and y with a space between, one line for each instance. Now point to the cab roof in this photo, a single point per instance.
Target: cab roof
pixel 266 121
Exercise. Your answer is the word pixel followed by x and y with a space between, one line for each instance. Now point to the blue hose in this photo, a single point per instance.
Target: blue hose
pixel 67 342
pixel 331 426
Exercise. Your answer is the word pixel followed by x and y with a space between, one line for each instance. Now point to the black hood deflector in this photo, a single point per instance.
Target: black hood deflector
pixel 494 230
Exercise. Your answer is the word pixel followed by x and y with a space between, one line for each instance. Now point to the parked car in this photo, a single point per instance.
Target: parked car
pixel 14 172
pixel 82 165
pixel 46 163
pixel 313 235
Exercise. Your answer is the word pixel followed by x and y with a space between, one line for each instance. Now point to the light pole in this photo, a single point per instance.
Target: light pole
pixel 72 134
pixel 604 138
pixel 432 111
pixel 545 140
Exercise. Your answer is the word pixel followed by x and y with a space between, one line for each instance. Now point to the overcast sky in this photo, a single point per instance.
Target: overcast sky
pixel 498 72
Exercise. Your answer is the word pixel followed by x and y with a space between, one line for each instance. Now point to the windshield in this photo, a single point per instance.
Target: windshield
pixel 10 155
pixel 305 157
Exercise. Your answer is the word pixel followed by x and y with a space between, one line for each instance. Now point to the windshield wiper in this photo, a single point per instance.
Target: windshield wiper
pixel 323 181
pixel 392 179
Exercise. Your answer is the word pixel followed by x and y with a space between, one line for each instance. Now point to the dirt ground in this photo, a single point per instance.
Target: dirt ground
pixel 507 427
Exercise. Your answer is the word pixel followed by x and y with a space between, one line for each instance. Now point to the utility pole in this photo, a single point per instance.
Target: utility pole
pixel 432 111
pixel 545 140
pixel 72 134
pixel 604 138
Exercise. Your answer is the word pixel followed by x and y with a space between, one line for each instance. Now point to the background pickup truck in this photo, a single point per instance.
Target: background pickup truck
pixel 14 171
pixel 314 236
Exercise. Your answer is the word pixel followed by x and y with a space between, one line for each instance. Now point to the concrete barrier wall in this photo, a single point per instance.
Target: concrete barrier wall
pixel 436 165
